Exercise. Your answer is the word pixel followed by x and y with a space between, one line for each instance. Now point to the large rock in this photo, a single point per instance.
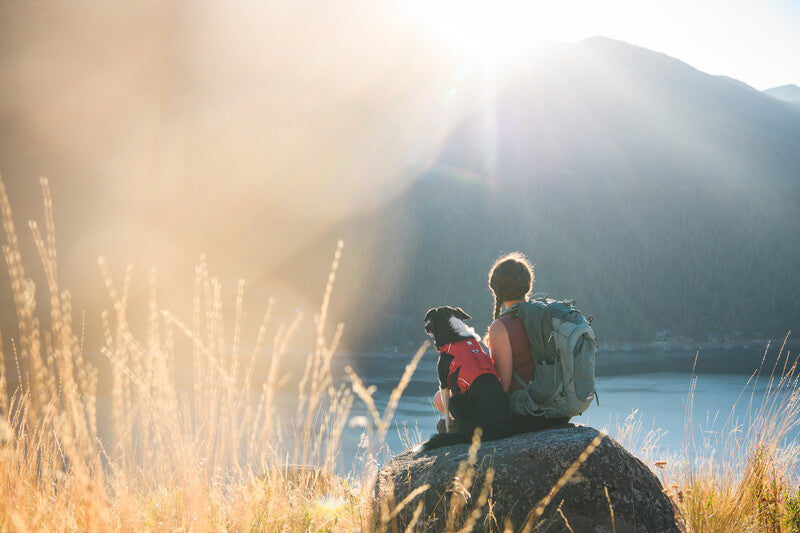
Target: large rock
pixel 526 467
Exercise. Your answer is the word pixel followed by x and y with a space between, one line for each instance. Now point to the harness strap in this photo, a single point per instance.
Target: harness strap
pixel 519 379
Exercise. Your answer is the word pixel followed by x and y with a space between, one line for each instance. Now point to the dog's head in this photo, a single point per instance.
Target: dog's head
pixel 446 325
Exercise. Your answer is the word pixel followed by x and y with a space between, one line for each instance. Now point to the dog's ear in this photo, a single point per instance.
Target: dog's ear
pixel 429 314
pixel 459 313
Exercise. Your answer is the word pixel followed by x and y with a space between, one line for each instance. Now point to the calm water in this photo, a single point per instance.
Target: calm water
pixel 654 386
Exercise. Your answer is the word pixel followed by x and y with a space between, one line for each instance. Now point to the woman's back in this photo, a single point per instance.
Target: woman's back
pixel 521 357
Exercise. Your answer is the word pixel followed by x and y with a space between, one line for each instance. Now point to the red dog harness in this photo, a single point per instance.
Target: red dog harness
pixel 470 361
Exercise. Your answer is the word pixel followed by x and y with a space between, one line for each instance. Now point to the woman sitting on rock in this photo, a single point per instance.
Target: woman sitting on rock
pixel 510 280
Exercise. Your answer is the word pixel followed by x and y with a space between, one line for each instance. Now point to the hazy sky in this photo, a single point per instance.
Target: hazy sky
pixel 757 42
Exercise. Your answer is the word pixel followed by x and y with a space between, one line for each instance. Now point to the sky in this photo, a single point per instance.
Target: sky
pixel 757 42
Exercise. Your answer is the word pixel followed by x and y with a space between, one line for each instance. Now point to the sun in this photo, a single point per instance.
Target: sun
pixel 493 29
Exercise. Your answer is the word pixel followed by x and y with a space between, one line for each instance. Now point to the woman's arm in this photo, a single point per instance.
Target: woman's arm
pixel 438 399
pixel 442 397
pixel 500 348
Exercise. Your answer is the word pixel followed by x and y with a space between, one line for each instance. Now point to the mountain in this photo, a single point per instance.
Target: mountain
pixel 787 93
pixel 659 197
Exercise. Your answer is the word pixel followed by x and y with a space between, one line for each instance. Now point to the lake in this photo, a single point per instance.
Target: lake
pixel 653 384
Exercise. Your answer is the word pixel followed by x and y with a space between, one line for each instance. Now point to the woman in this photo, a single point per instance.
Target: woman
pixel 510 280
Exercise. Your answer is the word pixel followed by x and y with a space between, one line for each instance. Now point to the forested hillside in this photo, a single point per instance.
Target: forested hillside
pixel 657 196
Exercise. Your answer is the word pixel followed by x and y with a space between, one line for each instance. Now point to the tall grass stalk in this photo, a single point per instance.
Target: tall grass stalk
pixel 743 473
pixel 213 457
pixel 219 456
pixel 744 476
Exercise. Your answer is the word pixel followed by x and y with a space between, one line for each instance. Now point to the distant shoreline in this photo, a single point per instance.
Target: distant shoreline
pixel 676 346
pixel 642 347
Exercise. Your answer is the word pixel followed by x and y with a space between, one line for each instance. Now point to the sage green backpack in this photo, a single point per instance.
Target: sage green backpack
pixel 564 349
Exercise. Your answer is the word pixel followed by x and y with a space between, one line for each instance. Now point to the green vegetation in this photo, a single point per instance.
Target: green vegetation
pixel 658 197
pixel 641 260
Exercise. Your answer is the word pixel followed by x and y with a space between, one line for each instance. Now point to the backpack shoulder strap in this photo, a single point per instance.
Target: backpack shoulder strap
pixel 519 379
pixel 537 327
pixel 509 310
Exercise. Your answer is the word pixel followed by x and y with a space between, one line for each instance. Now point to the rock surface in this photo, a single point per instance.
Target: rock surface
pixel 526 467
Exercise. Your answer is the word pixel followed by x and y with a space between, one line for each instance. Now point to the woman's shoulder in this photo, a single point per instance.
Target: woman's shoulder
pixel 502 321
pixel 496 322
pixel 508 325
pixel 497 326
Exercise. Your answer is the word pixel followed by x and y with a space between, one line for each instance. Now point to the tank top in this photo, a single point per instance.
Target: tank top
pixel 521 355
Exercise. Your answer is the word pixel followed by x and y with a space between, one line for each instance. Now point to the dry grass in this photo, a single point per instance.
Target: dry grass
pixel 744 477
pixel 216 457
pixel 211 458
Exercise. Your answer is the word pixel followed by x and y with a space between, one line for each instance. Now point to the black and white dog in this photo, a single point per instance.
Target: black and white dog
pixel 470 387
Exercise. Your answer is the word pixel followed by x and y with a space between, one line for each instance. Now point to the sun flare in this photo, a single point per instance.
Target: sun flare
pixel 493 29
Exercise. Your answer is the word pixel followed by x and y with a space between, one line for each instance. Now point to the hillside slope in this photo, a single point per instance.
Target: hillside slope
pixel 788 93
pixel 659 197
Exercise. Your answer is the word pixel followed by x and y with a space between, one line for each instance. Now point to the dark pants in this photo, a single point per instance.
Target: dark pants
pixel 526 424
pixel 484 405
